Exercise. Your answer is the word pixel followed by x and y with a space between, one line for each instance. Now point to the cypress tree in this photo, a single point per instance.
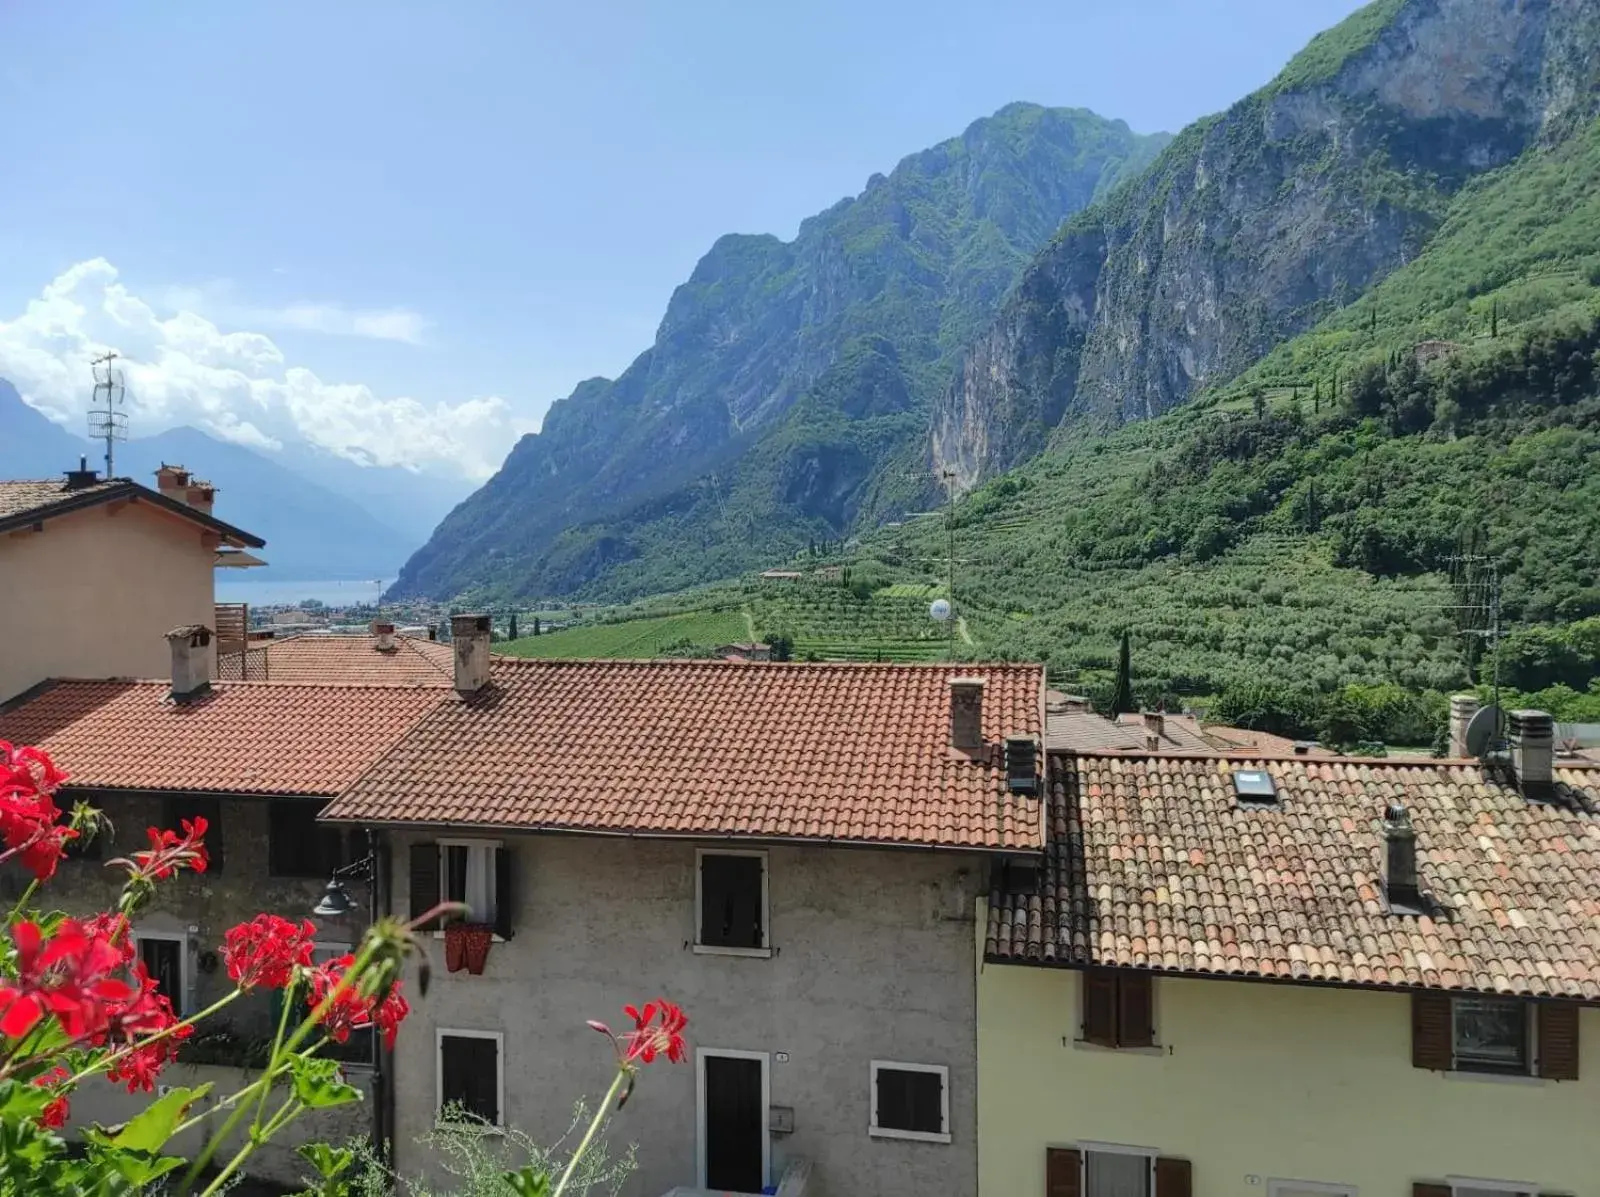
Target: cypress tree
pixel 1122 694
pixel 511 628
pixel 535 625
pixel 1494 317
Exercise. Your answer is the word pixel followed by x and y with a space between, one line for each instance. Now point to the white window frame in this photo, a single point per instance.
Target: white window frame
pixel 889 1132
pixel 440 1035
pixel 1087 1147
pixel 185 980
pixel 706 949
pixel 1509 1188
pixel 324 950
pixel 1530 1067
pixel 1276 1185
pixel 700 1056
pixel 489 848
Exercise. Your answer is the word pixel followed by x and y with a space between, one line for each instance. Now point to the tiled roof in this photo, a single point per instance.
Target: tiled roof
pixel 25 503
pixel 241 737
pixel 1179 733
pixel 1153 864
pixel 850 752
pixel 342 659
pixel 1073 730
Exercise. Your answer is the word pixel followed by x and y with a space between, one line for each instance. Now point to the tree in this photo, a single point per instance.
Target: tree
pixel 536 628
pixel 1494 317
pixel 511 630
pixel 781 645
pixel 1122 700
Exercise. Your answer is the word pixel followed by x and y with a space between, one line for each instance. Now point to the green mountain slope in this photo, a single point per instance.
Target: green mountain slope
pixel 1254 225
pixel 817 356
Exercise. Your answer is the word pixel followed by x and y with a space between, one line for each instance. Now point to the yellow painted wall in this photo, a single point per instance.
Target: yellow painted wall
pixel 94 594
pixel 1266 1081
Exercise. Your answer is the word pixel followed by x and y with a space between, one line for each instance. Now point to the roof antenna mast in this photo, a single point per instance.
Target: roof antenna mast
pixel 107 420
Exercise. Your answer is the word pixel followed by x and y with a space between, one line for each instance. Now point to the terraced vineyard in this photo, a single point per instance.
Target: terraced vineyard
pixel 832 623
pixel 664 635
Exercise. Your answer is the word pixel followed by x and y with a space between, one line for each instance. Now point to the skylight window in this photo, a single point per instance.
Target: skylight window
pixel 1255 787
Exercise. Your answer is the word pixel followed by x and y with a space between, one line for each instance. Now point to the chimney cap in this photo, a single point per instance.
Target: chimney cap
pixel 1534 723
pixel 466 625
pixel 196 633
pixel 82 476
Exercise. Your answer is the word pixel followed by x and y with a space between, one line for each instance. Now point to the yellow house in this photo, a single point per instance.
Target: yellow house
pixel 94 572
pixel 1294 977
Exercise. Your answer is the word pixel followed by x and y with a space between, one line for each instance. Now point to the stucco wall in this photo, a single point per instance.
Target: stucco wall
pixel 873 960
pixel 1266 1082
pixel 107 1104
pixel 93 595
pixel 202 907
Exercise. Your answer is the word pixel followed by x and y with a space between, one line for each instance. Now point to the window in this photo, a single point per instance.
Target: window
pixel 1116 1170
pixel 910 1101
pixel 1491 1035
pixel 1118 1008
pixel 1118 1173
pixel 1490 1188
pixel 299 846
pixel 193 806
pixel 1255 787
pixel 163 959
pixel 471 1075
pixel 731 888
pixel 477 872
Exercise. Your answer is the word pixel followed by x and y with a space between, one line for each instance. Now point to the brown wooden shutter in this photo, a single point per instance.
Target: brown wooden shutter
pixel 424 882
pixel 1174 1177
pixel 503 893
pixel 1135 1010
pixel 1100 1008
pixel 1432 1034
pixel 1425 1189
pixel 1063 1172
pixel 1558 1041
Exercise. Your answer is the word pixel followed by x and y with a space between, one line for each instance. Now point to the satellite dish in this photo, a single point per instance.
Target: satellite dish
pixel 939 609
pixel 1482 730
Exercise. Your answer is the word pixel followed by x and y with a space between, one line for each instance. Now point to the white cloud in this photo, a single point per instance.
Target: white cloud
pixel 393 324
pixel 184 369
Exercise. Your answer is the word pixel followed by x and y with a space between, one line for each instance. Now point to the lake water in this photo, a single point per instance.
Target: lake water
pixel 269 592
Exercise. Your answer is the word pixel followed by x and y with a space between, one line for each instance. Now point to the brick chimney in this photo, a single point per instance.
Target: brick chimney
pixel 191 661
pixel 471 635
pixel 200 495
pixel 173 482
pixel 1400 858
pixel 1155 727
pixel 383 636
pixel 1533 750
pixel 966 713
pixel 1462 708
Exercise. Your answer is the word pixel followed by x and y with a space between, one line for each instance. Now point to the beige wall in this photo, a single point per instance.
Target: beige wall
pixel 1256 1082
pixel 93 594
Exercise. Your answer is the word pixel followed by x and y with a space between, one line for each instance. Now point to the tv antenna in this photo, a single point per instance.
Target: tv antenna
pixel 107 421
pixel 1475 578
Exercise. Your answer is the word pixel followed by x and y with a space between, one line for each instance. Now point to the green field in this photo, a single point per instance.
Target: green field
pixel 689 633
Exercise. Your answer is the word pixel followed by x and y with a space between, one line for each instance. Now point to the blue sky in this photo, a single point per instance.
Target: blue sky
pixel 481 204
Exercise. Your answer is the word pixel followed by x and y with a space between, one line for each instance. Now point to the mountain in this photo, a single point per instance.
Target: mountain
pixel 311 532
pixel 412 502
pixel 1253 225
pixel 785 376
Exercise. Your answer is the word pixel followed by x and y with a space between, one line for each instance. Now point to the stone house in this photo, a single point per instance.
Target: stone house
pixel 1297 977
pixel 94 571
pixel 792 852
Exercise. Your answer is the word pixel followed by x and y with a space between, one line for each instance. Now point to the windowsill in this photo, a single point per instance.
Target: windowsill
pixel 1155 1049
pixel 492 938
pixel 708 949
pixel 883 1132
pixel 1493 1078
pixel 479 1128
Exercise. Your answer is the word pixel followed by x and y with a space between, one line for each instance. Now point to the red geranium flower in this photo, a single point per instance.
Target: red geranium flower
pixel 657 1030
pixel 146 1013
pixel 69 976
pixel 28 815
pixel 389 1014
pixel 266 950
pixel 350 1010
pixel 54 1115
pixel 169 852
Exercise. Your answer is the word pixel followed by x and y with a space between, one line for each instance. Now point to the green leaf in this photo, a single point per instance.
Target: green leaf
pixel 153 1125
pixel 329 1162
pixel 22 1103
pixel 528 1181
pixel 318 1084
pixel 138 1168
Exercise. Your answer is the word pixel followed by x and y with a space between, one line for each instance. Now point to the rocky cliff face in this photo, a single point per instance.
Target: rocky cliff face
pixel 1254 224
pixel 645 466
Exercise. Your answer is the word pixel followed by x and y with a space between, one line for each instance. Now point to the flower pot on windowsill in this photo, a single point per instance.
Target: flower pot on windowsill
pixel 466 945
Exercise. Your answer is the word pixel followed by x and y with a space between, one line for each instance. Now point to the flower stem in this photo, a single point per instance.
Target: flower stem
pixel 275 1124
pixel 277 1043
pixel 588 1135
pixel 107 1061
pixel 22 902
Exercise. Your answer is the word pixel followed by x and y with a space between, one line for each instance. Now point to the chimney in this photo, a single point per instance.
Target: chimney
pixel 471 634
pixel 1462 708
pixel 191 661
pixel 1400 859
pixel 200 495
pixel 1533 750
pixel 82 476
pixel 1155 726
pixel 173 482
pixel 966 713
pixel 383 636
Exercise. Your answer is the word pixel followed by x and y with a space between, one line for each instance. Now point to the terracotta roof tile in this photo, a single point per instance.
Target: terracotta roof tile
pixel 853 752
pixel 240 737
pixel 354 659
pixel 1152 863
pixel 26 498
pixel 25 503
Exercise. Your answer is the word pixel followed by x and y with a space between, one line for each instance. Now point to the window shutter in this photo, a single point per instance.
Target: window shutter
pixel 502 892
pixel 1100 1008
pixel 1135 1010
pixel 1174 1177
pixel 1558 1041
pixel 1424 1189
pixel 1063 1172
pixel 1432 1037
pixel 424 881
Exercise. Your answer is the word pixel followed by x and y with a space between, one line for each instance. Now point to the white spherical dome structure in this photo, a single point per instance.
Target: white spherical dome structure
pixel 939 609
